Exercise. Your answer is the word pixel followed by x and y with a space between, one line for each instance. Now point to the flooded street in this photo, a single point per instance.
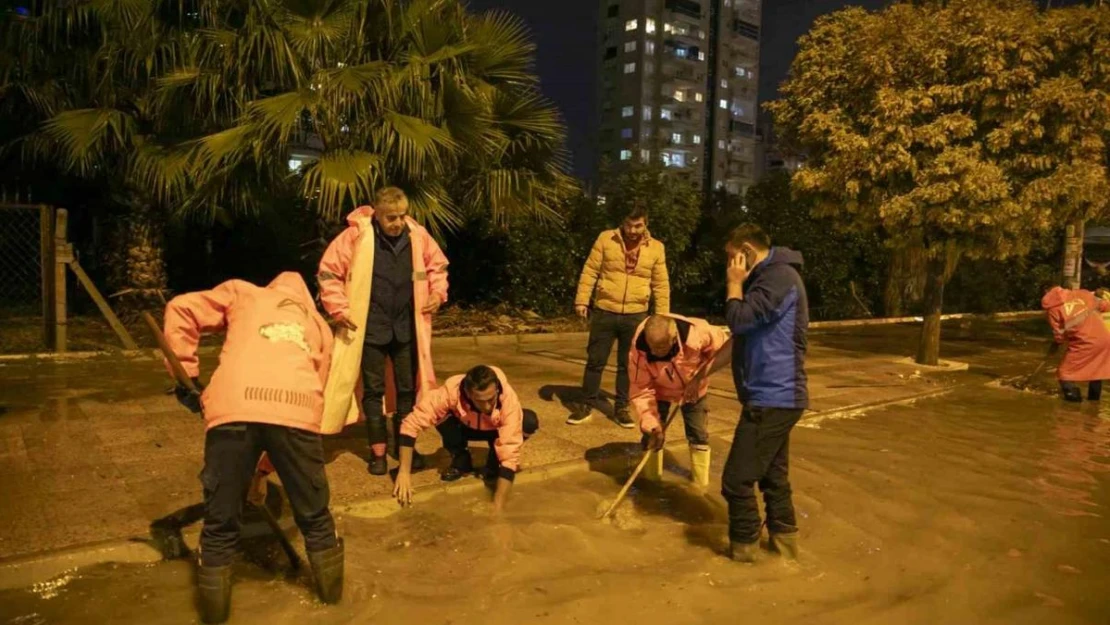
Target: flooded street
pixel 981 506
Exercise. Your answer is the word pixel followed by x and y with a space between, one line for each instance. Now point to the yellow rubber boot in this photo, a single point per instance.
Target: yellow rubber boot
pixel 699 465
pixel 653 470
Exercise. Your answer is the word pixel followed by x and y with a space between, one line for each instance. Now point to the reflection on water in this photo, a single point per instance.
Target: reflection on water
pixel 985 506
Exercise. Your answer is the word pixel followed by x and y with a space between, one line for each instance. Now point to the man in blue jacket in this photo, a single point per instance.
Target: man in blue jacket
pixel 768 313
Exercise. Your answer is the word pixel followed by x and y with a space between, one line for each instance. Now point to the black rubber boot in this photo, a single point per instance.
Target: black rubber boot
pixel 747 553
pixel 377 465
pixel 214 593
pixel 327 572
pixel 461 466
pixel 1070 391
pixel 785 545
pixel 1094 390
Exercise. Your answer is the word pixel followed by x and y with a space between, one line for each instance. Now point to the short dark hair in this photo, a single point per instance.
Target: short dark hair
pixel 751 234
pixel 478 378
pixel 636 212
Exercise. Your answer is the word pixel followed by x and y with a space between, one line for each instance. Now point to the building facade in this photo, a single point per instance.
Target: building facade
pixel 679 83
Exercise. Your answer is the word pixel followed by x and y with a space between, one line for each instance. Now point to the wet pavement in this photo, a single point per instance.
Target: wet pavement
pixel 95 449
pixel 982 506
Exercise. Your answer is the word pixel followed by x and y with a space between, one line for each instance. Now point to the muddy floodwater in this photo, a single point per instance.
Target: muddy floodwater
pixel 981 506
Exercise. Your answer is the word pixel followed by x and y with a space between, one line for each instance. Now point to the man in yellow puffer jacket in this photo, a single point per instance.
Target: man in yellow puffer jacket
pixel 626 268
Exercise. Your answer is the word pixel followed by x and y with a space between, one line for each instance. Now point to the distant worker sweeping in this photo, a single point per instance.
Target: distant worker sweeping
pixel 1074 316
pixel 266 395
pixel 669 357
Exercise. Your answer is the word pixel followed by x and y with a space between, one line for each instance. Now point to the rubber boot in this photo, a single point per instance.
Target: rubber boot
pixel 747 553
pixel 214 593
pixel 1070 391
pixel 699 465
pixel 653 470
pixel 327 572
pixel 785 545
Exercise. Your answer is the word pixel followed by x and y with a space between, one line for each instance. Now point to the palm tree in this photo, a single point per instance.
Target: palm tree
pixel 196 106
pixel 418 94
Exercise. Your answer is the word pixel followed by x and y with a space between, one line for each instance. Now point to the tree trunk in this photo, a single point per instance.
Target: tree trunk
pixel 137 275
pixel 904 283
pixel 928 348
pixel 1073 254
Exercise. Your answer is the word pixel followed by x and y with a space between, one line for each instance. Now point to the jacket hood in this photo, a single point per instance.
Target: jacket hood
pixel 1055 297
pixel 785 256
pixel 292 284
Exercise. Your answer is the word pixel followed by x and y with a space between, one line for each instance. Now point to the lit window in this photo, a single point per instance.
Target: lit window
pixel 721 144
pixel 737 110
pixel 666 114
pixel 680 52
pixel 626 133
pixel 601 200
pixel 645 155
pixel 295 164
pixel 630 46
pixel 678 160
pixel 696 139
pixel 649 26
pixel 676 137
pixel 631 25
pixel 724 104
pixel 649 47
pixel 647 114
pixel 719 185
pixel 680 95
pixel 627 111
pixel 626 155
pixel 630 68
pixel 724 83
pixel 701 56
pixel 698 97
pixel 667 28
pixel 701 34
pixel 666 156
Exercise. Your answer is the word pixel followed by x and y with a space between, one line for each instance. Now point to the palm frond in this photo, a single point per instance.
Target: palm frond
pixel 83 138
pixel 413 142
pixel 276 118
pixel 503 49
pixel 340 180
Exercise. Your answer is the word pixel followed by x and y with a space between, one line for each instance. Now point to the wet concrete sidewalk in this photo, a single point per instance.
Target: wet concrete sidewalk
pixel 95 450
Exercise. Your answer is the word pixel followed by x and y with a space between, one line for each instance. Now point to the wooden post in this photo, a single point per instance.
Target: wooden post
pixel 62 254
pixel 46 267
pixel 102 304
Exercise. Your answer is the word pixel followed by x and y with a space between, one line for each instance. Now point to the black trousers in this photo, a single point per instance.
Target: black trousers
pixel 457 436
pixel 231 454
pixel 695 418
pixel 606 327
pixel 760 454
pixel 403 356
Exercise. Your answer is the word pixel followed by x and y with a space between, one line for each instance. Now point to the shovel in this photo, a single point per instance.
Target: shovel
pixel 183 379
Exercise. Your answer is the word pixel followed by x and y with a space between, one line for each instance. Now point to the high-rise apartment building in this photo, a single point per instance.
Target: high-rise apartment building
pixel 679 83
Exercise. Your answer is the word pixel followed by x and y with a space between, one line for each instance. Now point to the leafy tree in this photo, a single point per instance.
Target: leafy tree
pixel 953 127
pixel 842 270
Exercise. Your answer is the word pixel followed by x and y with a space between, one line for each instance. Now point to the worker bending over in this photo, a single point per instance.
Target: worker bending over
pixel 266 395
pixel 668 353
pixel 478 406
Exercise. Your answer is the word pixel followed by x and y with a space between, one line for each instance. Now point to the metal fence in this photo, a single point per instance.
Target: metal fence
pixel 23 235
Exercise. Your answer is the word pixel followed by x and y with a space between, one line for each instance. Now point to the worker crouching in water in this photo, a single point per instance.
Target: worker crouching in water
pixel 1076 323
pixel 266 395
pixel 478 406
pixel 669 353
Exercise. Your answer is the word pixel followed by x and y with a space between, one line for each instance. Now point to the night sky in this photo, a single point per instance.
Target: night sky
pixel 564 32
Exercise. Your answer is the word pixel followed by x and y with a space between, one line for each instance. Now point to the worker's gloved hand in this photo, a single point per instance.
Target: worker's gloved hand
pixel 188 398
